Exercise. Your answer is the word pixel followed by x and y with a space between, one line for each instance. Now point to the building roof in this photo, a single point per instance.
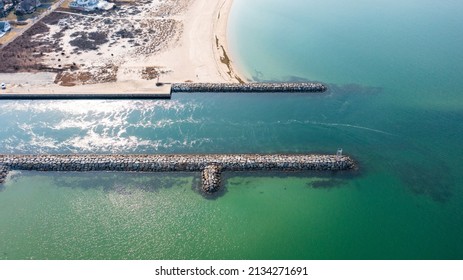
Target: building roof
pixel 27 6
pixel 4 26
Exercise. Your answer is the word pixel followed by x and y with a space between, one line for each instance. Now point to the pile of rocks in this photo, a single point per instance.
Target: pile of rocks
pixel 249 87
pixel 211 178
pixel 3 173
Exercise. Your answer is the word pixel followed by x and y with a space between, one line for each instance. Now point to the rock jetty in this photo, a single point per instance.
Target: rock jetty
pixel 211 165
pixel 3 173
pixel 211 178
pixel 248 87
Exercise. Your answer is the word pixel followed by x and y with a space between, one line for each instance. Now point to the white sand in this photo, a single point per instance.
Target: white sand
pixel 195 56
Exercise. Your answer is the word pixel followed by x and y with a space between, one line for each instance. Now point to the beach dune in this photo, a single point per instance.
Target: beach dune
pixel 189 45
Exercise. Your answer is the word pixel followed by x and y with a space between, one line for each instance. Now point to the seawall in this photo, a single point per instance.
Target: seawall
pixel 211 165
pixel 249 87
pixel 165 91
pixel 85 96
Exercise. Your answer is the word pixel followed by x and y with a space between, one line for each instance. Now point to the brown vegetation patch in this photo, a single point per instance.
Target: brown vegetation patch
pixel 104 74
pixel 88 41
pixel 123 33
pixel 150 73
pixel 69 79
pixel 24 53
pixel 37 28
pixel 54 18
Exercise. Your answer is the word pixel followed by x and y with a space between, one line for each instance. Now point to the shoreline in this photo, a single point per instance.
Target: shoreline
pixel 198 53
pixel 221 49
pixel 205 29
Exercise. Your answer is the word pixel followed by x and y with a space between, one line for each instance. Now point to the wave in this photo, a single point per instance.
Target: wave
pixel 94 126
pixel 336 124
pixel 101 143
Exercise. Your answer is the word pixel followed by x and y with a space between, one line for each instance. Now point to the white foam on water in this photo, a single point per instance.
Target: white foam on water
pixel 334 124
pixel 96 126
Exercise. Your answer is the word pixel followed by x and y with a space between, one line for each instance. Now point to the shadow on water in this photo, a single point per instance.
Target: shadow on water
pixel 325 180
pixel 120 182
pixel 332 88
pixel 327 184
pixel 427 164
pixel 125 183
pixel 421 179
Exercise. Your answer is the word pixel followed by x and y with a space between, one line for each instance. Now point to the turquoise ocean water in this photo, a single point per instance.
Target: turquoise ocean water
pixel 395 104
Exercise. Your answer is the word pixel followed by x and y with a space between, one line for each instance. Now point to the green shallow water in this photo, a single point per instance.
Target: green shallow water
pixel 155 216
pixel 395 104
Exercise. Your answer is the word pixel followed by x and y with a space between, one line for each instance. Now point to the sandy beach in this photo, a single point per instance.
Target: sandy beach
pixel 128 49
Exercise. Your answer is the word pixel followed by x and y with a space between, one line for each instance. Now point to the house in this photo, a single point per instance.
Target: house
pixel 4 27
pixel 5 7
pixel 90 5
pixel 84 5
pixel 27 7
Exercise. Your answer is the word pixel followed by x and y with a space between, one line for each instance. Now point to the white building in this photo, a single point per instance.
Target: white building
pixel 90 5
pixel 4 27
pixel 84 5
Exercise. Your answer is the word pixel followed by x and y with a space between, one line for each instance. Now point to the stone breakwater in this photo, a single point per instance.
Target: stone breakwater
pixel 249 87
pixel 211 165
pixel 3 173
pixel 165 91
